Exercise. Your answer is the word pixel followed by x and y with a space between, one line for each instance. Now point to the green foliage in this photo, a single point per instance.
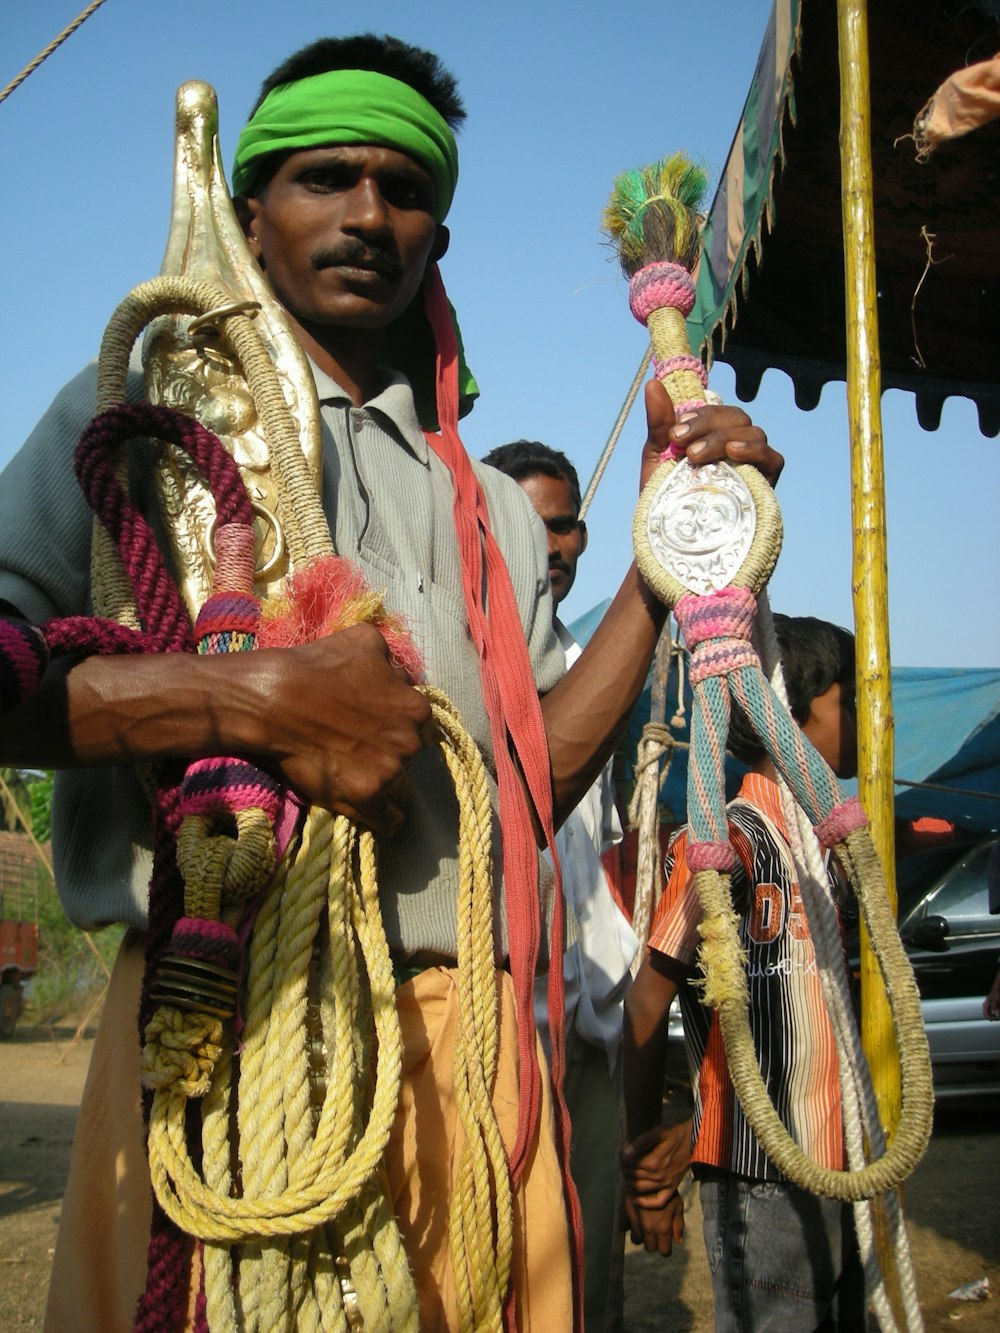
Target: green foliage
pixel 69 976
pixel 15 801
pixel 40 797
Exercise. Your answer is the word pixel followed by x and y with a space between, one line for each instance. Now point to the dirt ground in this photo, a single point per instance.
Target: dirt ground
pixel 951 1202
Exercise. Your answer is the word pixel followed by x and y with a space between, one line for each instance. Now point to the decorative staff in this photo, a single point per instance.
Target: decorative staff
pixel 706 541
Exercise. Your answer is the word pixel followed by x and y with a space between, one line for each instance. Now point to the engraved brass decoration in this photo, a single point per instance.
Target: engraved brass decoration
pixel 701 525
pixel 189 365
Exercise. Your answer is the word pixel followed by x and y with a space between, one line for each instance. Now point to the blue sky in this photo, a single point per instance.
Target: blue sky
pixel 561 98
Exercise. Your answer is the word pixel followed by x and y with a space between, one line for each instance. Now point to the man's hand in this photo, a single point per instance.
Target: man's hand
pixel 706 435
pixel 653 1165
pixel 334 717
pixel 343 724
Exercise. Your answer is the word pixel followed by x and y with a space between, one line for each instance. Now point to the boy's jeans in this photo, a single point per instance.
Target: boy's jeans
pixel 781 1259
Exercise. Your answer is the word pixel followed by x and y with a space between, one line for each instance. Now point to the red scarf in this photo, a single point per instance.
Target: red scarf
pixel 518 733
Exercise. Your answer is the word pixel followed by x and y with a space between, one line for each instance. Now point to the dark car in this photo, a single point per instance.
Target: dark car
pixel 953 944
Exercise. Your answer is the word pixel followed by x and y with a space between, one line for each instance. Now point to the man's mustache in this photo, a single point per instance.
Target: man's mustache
pixel 354 254
pixel 556 563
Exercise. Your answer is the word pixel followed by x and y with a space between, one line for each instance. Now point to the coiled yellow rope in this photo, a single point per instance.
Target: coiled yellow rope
pixel 302 1234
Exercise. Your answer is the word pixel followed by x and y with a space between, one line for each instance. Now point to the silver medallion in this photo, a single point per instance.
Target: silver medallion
pixel 701 525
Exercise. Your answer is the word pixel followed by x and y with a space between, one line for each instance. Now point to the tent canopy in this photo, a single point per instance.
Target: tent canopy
pixel 774 231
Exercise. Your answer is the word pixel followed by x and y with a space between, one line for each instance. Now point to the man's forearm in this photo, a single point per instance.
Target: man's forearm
pixel 334 717
pixel 587 711
pixel 123 709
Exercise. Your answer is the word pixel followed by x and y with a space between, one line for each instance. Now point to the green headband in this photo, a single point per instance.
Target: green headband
pixel 350 106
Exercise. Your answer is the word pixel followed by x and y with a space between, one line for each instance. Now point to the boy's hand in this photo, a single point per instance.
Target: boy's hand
pixel 653 1165
pixel 657 1228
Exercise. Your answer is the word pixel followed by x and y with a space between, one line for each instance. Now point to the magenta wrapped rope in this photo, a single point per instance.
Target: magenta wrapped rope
pixel 726 614
pixel 159 601
pixel 843 819
pixel 24 656
pixel 210 941
pixel 26 650
pixel 673 364
pixel 113 428
pixel 219 786
pixel 234 558
pixel 711 856
pixel 719 657
pixel 161 609
pixel 658 286
pixel 91 634
pixel 162 1305
pixel 228 612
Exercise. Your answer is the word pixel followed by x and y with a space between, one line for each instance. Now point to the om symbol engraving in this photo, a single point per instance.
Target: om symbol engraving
pixel 701 525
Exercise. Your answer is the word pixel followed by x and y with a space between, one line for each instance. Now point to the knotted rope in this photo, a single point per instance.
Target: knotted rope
pixel 724 666
pixel 715 604
pixel 308 1213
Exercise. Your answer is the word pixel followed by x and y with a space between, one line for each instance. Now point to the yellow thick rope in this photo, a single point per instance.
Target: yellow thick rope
pixel 318 1243
pixel 295 1182
pixel 721 960
pixel 721 957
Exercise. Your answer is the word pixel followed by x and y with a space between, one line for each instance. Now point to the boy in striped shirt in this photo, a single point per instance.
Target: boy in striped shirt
pixel 780 1257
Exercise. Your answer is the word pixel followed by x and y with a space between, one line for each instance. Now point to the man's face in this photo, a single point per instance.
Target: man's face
pixel 345 233
pixel 552 498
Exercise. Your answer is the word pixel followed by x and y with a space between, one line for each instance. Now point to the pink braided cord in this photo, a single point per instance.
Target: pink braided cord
pixel 726 614
pixel 711 856
pixel 672 364
pixel 658 287
pixel 842 819
pixel 234 558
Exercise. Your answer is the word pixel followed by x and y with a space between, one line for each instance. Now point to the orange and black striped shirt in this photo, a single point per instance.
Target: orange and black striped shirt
pixel 791 1030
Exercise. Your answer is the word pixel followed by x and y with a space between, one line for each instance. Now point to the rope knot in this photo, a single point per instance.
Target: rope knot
pixel 658 286
pixel 221 869
pixel 181 1051
pixel 726 614
pixel 842 820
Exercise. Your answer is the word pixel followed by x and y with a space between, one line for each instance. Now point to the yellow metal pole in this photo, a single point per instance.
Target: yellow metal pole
pixel 876 726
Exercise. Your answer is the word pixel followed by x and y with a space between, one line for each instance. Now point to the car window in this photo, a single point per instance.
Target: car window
pixel 962 898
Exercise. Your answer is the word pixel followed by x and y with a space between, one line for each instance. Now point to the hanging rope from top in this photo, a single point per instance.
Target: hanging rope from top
pixel 54 45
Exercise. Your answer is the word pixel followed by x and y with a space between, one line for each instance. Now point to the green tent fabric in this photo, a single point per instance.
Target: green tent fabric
pixel 770 287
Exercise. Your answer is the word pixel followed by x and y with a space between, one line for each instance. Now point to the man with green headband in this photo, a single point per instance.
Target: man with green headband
pixel 343 178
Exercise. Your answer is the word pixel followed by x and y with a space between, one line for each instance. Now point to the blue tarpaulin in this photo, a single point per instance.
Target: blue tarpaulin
pixel 947 736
